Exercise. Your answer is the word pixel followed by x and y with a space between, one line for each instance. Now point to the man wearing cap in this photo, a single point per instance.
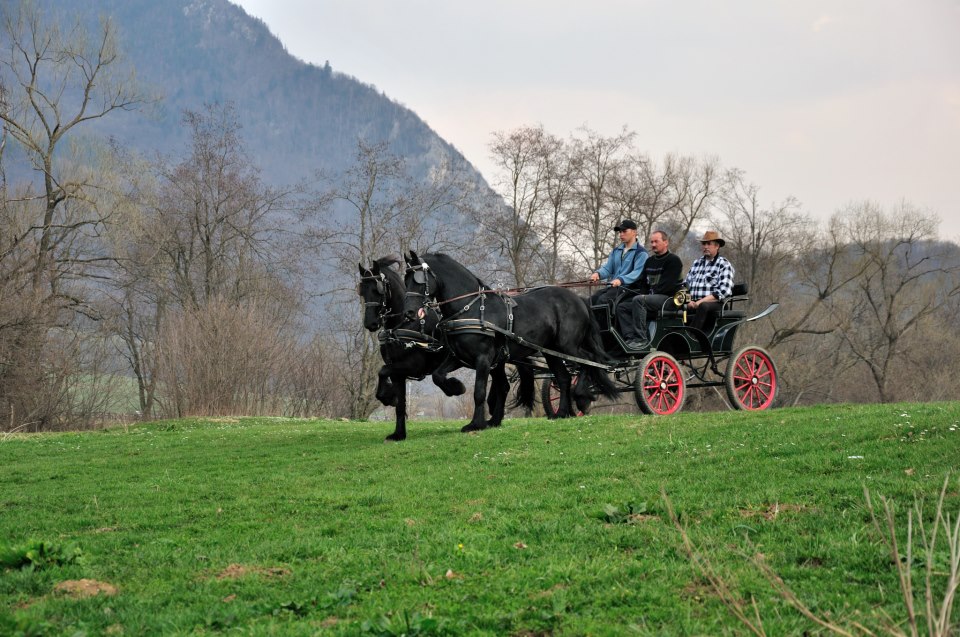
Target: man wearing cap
pixel 709 281
pixel 623 266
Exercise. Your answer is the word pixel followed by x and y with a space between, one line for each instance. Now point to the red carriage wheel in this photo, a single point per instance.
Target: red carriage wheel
pixel 550 397
pixel 659 386
pixel 751 379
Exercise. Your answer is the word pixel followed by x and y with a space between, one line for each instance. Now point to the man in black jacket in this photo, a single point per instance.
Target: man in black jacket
pixel 659 281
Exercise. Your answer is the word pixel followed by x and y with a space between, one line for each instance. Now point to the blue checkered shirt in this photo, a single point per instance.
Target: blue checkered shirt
pixel 710 277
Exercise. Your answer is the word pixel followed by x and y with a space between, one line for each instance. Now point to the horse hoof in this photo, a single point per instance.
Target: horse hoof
pixel 455 389
pixel 388 401
pixel 472 427
pixel 395 438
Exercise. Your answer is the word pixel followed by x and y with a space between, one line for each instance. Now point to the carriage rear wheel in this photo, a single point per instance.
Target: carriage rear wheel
pixel 751 379
pixel 659 386
pixel 550 397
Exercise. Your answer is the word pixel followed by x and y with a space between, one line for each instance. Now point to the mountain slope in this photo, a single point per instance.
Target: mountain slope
pixel 296 117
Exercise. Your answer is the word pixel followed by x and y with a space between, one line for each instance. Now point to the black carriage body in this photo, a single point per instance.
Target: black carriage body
pixel 681 356
pixel 670 332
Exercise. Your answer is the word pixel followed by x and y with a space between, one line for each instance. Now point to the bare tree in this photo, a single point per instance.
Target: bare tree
pixel 559 199
pixel 53 82
pixel 597 160
pixel 907 279
pixel 521 181
pixel 205 231
pixel 219 229
pixel 56 80
pixel 645 192
pixel 762 239
pixel 698 183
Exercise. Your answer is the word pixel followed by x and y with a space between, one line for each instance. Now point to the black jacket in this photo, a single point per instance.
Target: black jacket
pixel 661 274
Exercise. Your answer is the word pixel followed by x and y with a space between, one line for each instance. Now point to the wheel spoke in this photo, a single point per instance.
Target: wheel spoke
pixel 665 394
pixel 751 379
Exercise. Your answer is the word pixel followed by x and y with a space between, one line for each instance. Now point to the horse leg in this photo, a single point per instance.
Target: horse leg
pixel 562 379
pixel 482 367
pixel 386 391
pixel 450 386
pixel 400 431
pixel 497 399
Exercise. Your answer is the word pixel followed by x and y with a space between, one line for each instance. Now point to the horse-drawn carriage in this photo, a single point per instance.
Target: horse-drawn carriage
pixel 682 357
pixel 448 318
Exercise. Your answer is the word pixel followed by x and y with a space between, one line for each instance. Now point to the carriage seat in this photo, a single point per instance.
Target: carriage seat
pixel 727 309
pixel 739 296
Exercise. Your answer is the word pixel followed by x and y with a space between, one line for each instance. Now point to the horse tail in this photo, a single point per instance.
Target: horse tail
pixel 524 396
pixel 598 381
pixel 593 382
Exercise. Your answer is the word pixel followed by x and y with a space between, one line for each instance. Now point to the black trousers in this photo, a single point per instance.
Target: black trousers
pixel 607 295
pixel 706 316
pixel 634 313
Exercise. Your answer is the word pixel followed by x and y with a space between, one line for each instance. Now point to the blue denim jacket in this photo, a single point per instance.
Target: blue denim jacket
pixel 626 267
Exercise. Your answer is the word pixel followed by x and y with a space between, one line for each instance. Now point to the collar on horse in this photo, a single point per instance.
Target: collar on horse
pixel 421 275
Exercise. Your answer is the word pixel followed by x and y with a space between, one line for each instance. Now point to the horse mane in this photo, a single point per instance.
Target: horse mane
pixel 386 261
pixel 451 261
pixel 385 264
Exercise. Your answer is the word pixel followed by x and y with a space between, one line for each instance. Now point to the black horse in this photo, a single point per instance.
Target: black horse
pixel 551 317
pixel 406 353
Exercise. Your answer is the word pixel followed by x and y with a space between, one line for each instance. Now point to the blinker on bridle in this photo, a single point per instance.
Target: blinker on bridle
pixel 420 277
pixel 382 289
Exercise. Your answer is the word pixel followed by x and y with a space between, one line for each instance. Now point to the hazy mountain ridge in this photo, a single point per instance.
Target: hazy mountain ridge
pixel 296 116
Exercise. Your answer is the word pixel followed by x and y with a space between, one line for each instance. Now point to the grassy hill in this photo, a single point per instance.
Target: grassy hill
pixel 294 527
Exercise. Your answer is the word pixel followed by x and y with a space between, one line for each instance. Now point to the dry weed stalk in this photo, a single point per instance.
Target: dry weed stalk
pixel 938 617
pixel 938 620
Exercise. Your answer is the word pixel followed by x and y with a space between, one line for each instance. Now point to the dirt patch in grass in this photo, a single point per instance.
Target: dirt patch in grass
pixel 771 512
pixel 236 571
pixel 548 592
pixel 81 588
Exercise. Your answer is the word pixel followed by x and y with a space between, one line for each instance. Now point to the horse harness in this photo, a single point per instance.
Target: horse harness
pixel 453 325
pixel 388 337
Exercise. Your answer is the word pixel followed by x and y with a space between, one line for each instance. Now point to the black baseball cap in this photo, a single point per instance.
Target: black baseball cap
pixel 626 224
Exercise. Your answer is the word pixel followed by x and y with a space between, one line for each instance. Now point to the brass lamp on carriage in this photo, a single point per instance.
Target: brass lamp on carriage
pixel 680 299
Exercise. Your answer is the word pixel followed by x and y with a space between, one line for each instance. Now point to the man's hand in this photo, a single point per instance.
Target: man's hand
pixel 595 277
pixel 616 283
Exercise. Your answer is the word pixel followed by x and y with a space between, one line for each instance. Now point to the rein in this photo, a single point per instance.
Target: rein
pixel 515 291
pixel 451 324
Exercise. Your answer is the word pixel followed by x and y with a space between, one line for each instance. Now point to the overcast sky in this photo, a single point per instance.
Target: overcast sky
pixel 830 101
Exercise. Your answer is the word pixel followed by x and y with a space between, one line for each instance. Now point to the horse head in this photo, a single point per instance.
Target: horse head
pixel 381 289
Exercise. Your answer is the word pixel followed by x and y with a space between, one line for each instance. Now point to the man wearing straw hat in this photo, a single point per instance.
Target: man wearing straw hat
pixel 709 281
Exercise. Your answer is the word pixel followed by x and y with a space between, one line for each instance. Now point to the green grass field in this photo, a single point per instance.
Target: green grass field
pixel 261 526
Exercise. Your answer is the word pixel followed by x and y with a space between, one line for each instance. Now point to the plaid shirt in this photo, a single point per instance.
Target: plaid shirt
pixel 710 277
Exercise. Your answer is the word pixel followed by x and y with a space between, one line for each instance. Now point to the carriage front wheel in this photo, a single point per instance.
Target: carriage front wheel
pixel 659 386
pixel 550 397
pixel 751 379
